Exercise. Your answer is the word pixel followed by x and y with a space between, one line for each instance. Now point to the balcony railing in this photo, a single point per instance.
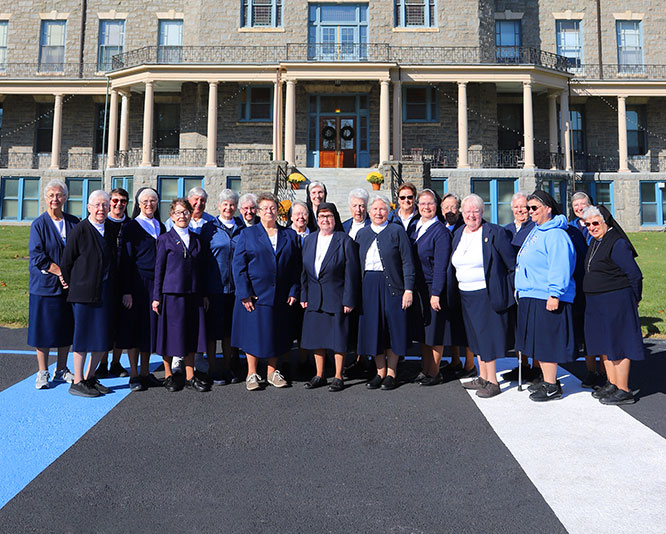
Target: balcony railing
pixel 614 71
pixel 50 70
pixel 194 157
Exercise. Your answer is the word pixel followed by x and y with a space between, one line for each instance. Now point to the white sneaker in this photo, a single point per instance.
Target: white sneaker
pixel 200 363
pixel 64 375
pixel 276 379
pixel 177 365
pixel 253 382
pixel 42 381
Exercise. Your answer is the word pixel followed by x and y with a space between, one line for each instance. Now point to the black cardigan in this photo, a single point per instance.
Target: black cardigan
pixel 83 262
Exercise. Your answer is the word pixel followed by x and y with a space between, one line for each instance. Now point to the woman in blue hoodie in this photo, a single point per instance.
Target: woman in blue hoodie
pixel 546 290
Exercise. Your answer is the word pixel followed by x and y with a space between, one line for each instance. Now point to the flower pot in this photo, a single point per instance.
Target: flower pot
pixel 295 185
pixel 376 187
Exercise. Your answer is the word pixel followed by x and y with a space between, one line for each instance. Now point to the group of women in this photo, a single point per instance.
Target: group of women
pixel 372 285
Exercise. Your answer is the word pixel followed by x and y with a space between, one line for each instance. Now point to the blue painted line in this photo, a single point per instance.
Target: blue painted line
pixel 37 426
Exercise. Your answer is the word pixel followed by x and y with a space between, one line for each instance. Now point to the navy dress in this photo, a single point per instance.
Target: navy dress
pixel 272 276
pixel 50 318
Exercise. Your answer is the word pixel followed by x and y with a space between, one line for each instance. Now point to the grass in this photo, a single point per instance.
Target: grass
pixel 651 247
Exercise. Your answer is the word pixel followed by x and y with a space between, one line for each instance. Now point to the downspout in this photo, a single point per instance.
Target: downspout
pixel 601 59
pixel 82 36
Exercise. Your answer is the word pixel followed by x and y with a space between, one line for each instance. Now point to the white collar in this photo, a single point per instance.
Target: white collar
pixel 378 228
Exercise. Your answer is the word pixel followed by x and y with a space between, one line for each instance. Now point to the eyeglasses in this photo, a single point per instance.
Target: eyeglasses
pixel 181 213
pixel 100 205
pixel 592 223
pixel 268 208
pixel 51 196
pixel 423 204
pixel 325 216
pixel 533 207
pixel 119 200
pixel 472 212
pixel 148 202
pixel 406 197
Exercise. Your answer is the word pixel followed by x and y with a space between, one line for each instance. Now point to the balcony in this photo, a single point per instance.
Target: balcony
pixel 194 157
pixel 66 71
pixel 614 71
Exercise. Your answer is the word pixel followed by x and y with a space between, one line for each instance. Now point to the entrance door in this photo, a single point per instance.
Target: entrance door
pixel 337 145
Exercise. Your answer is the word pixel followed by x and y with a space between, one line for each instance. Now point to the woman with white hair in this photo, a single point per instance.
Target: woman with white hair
pixel 522 224
pixel 580 201
pixel 247 205
pixel 89 269
pixel 315 194
pixel 299 217
pixel 197 197
pixel 358 206
pixel 50 319
pixel 388 277
pixel 480 282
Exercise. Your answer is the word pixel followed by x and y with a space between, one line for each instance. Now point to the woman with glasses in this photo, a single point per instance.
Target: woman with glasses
pixel 266 270
pixel 177 297
pixel 406 213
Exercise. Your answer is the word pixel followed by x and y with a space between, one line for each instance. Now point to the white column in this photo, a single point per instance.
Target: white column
pixel 528 126
pixel 211 136
pixel 146 159
pixel 463 163
pixel 622 133
pixel 565 127
pixel 290 124
pixel 552 126
pixel 113 130
pixel 384 121
pixel 397 120
pixel 124 122
pixel 57 133
pixel 277 121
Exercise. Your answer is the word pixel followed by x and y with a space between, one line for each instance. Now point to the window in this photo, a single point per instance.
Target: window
pixel 79 191
pixel 167 127
pixel 415 13
pixel 234 183
pixel 636 133
pixel 170 41
pixel 420 104
pixel 52 46
pixel 44 128
pixel 601 193
pixel 558 190
pixel 20 199
pixel 100 136
pixel 127 183
pixel 496 194
pixel 653 203
pixel 170 187
pixel 508 40
pixel 629 46
pixel 261 13
pixel 338 32
pixel 256 103
pixel 577 128
pixel 569 42
pixel 111 41
pixel 4 26
pixel 440 185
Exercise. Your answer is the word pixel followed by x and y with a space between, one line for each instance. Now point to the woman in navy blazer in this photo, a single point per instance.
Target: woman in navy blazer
pixel 358 206
pixel 387 265
pixel 480 281
pixel 50 319
pixel 266 269
pixel 177 297
pixel 329 290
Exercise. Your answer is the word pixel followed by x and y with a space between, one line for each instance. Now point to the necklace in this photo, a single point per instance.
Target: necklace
pixel 595 248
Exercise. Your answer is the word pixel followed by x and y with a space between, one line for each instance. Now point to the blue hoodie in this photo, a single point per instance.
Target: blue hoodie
pixel 546 262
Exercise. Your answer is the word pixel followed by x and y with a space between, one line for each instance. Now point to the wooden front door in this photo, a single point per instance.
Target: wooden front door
pixel 337 145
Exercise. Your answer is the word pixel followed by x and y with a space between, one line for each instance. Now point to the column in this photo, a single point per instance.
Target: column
pixel 277 121
pixel 57 133
pixel 211 140
pixel 565 128
pixel 146 159
pixel 552 128
pixel 384 121
pixel 528 126
pixel 113 130
pixel 290 124
pixel 397 121
pixel 124 122
pixel 621 133
pixel 462 126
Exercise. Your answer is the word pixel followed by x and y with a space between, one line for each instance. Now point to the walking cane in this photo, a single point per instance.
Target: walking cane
pixel 520 371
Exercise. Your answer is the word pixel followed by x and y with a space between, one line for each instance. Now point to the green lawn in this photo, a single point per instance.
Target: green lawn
pixel 651 247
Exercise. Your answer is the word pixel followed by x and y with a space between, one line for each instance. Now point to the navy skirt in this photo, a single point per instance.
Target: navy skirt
pixel 181 325
pixel 489 334
pixel 383 323
pixel 94 324
pixel 454 329
pixel 612 326
pixel 137 327
pixel 544 335
pixel 219 314
pixel 265 332
pixel 323 330
pixel 435 323
pixel 50 321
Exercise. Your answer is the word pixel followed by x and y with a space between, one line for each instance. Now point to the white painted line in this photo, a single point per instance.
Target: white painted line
pixel 598 468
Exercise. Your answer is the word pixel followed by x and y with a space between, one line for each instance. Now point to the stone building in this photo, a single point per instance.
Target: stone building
pixel 473 95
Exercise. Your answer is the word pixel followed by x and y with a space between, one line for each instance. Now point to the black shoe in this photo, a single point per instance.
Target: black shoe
pixel 450 372
pixel 315 382
pixel 137 384
pixel 431 380
pixel 512 376
pixel 197 385
pixel 419 378
pixel 102 371
pixel 231 377
pixel 151 381
pixel 538 385
pixel 336 385
pixel 172 384
pixel 93 382
pixel 547 392
pixel 604 391
pixel 618 398
pixel 389 383
pixel 83 389
pixel 115 369
pixel 375 383
pixel 591 380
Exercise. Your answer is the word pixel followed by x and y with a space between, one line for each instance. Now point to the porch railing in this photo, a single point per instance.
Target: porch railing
pixel 614 71
pixel 194 157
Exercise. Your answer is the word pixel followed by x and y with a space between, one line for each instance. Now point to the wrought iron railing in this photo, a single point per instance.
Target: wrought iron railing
pixel 615 71
pixel 438 158
pixel 194 157
pixel 237 156
pixel 206 55
pixel 48 70
pixel 396 181
pixel 283 190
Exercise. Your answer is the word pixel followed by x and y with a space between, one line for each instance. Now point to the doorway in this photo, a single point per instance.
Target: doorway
pixel 337 145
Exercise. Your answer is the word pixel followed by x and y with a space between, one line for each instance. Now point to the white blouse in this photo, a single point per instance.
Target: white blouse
pixel 149 225
pixel 273 240
pixel 184 234
pixel 323 243
pixel 468 261
pixel 355 227
pixel 373 261
pixel 60 227
pixel 98 227
pixel 421 227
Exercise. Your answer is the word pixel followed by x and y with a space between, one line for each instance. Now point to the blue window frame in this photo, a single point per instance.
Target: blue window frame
pixel 20 198
pixel 111 42
pixel 629 46
pixel 256 103
pixel 653 203
pixel 440 185
pixel 79 191
pixel 234 183
pixel 261 13
pixel 4 27
pixel 170 41
pixel 419 104
pixel 508 40
pixel 558 190
pixel 496 194
pixel 601 193
pixel 415 13
pixel 52 46
pixel 127 183
pixel 570 42
pixel 636 132
pixel 170 187
pixel 338 32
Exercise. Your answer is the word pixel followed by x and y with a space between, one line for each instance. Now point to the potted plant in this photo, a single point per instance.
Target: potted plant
pixel 296 179
pixel 376 179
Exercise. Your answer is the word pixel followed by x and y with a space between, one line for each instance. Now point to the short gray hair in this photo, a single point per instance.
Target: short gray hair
pixel 591 211
pixel 197 192
pixel 474 199
pixel 229 195
pixel 454 196
pixel 148 192
pixel 55 183
pixel 519 194
pixel 581 195
pixel 317 184
pixel 99 193
pixel 380 198
pixel 360 193
pixel 300 203
pixel 248 197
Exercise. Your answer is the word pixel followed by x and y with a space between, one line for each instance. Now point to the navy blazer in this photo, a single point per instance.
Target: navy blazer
pixel 394 217
pixel 219 242
pixel 339 278
pixel 238 219
pixel 346 226
pixel 395 250
pixel 453 228
pixel 499 263
pixel 259 271
pixel 518 237
pixel 46 247
pixel 178 270
pixel 137 256
pixel 433 250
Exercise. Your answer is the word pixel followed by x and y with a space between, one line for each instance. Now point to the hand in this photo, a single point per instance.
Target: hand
pixel 156 306
pixel 406 299
pixel 347 309
pixel 434 303
pixel 304 305
pixel 62 282
pixel 552 303
pixel 292 300
pixel 127 301
pixel 206 304
pixel 249 303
